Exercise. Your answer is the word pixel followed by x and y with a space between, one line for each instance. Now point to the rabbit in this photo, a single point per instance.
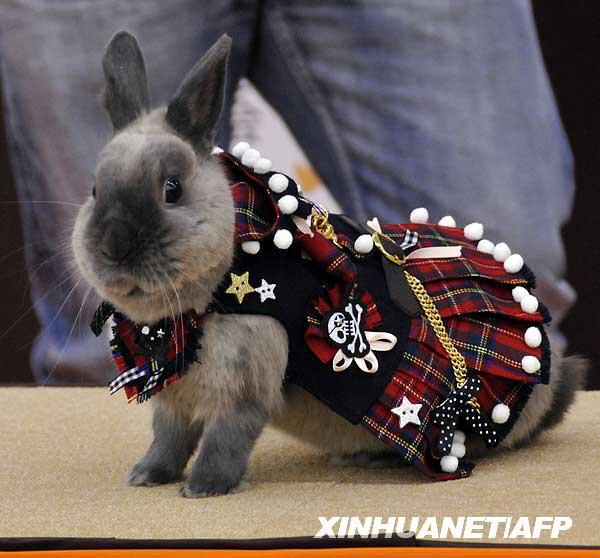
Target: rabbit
pixel 151 257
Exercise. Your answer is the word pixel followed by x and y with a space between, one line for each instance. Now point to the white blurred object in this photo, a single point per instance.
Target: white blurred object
pixel 255 122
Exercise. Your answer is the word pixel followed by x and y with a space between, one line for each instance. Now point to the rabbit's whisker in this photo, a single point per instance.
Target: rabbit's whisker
pixel 77 316
pixel 170 306
pixel 180 311
pixel 37 301
pixel 11 202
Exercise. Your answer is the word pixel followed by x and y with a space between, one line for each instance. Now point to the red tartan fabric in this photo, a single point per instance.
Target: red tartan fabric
pixel 473 294
pixel 412 442
pixel 256 215
pixel 472 264
pixel 180 353
pixel 501 353
pixel 336 261
pixel 429 235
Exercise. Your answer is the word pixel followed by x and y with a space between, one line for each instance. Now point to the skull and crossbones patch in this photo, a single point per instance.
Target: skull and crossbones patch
pixel 345 329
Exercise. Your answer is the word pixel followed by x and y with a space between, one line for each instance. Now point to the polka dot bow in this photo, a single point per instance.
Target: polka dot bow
pixel 461 404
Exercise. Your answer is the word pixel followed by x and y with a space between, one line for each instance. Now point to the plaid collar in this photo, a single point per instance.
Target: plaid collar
pixel 258 217
pixel 149 357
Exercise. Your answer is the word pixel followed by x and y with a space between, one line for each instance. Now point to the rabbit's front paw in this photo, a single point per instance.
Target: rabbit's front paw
pixel 151 474
pixel 212 487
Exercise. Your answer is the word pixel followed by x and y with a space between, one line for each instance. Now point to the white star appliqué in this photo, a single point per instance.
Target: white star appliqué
pixel 408 412
pixel 266 291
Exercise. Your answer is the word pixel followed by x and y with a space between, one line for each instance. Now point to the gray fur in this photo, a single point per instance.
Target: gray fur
pixel 549 403
pixel 195 109
pixel 228 396
pixel 180 251
pixel 175 440
pixel 225 450
pixel 125 95
pixel 152 259
pixel 231 393
pixel 572 378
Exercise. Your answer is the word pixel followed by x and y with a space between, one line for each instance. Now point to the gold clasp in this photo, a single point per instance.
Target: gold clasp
pixel 377 240
pixel 320 222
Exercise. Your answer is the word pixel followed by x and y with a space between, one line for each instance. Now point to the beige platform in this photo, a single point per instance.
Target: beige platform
pixel 65 454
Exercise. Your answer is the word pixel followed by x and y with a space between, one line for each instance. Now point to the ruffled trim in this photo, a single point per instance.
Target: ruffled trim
pixel 473 293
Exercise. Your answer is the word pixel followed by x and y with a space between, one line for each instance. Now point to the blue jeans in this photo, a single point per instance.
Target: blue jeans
pixel 397 103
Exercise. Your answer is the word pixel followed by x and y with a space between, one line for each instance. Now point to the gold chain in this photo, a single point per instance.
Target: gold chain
pixel 474 403
pixel 435 320
pixel 320 222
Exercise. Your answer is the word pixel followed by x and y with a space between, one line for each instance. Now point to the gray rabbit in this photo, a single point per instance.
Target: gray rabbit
pixel 156 238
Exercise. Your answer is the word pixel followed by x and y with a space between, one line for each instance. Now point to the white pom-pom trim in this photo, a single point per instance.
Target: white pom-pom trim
pixel 530 364
pixel 288 204
pixel 530 304
pixel 278 183
pixel 251 247
pixel 485 246
pixel 240 148
pixel 514 263
pixel 474 231
pixel 250 157
pixel 363 244
pixel 519 293
pixel 447 221
pixel 449 463
pixel 458 449
pixel 419 215
pixel 533 337
pixel 283 239
pixel 263 165
pixel 216 150
pixel 459 436
pixel 501 252
pixel 500 413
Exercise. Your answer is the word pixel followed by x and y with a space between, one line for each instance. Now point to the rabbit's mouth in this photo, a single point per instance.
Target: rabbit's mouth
pixel 128 289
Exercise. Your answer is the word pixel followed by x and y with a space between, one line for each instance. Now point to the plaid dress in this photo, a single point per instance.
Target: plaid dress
pixel 473 294
pixel 353 342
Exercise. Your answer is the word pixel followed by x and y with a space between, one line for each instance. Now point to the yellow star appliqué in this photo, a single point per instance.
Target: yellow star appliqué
pixel 240 286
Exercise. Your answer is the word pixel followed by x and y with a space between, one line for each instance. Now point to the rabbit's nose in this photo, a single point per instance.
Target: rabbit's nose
pixel 120 241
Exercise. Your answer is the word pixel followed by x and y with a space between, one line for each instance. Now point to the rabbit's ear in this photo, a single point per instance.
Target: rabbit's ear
pixel 125 94
pixel 196 107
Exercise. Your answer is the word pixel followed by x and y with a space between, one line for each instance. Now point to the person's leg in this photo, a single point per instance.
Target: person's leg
pixel 51 73
pixel 441 103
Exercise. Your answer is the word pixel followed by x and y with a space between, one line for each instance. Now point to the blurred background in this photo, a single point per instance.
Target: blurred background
pixel 569 34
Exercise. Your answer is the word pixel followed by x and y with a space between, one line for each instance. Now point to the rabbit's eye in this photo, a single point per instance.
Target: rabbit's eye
pixel 172 189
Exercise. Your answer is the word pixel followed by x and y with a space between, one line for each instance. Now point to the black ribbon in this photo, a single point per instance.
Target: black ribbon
pixel 458 407
pixel 103 312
